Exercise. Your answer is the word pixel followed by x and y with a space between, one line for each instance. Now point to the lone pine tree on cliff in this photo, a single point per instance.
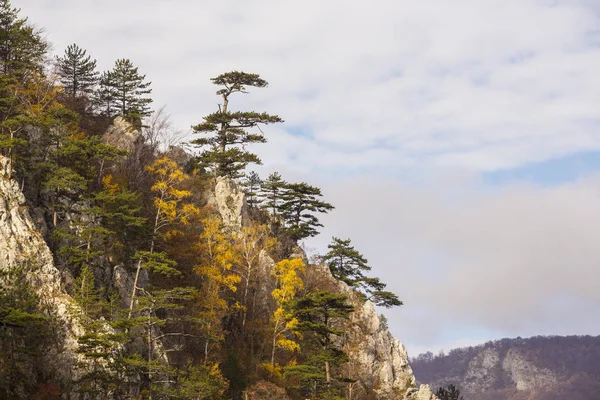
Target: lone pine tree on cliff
pixel 227 131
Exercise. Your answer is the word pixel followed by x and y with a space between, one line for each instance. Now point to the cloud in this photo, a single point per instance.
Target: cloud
pixel 399 92
pixel 513 260
pixel 475 84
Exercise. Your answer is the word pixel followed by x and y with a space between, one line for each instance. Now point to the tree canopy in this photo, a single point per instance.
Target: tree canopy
pixel 228 132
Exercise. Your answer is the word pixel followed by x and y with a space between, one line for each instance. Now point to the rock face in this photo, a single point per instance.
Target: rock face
pixel 230 201
pixel 525 374
pixel 121 135
pixel 21 245
pixel 379 359
pixel 537 368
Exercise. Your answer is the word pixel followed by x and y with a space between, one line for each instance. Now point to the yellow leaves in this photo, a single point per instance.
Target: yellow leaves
pixel 108 184
pixel 288 281
pixel 169 197
pixel 287 344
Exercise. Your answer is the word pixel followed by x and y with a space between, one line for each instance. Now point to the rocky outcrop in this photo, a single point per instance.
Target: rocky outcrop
pixel 524 374
pixel 540 367
pixel 22 246
pixel 377 358
pixel 481 373
pixel 121 135
pixel 230 201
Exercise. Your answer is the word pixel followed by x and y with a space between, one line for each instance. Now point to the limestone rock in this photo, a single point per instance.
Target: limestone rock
pixel 524 374
pixel 21 245
pixel 423 393
pixel 481 373
pixel 230 201
pixel 377 358
pixel 121 135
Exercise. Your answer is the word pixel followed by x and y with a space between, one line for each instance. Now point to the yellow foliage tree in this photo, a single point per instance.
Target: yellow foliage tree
pixel 250 242
pixel 288 282
pixel 169 210
pixel 215 267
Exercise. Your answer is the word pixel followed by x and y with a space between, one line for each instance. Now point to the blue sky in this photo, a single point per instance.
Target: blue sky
pixel 458 140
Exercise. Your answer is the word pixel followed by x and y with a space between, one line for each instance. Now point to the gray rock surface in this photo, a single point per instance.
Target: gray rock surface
pixel 121 135
pixel 230 201
pixel 379 359
pixel 21 245
pixel 524 374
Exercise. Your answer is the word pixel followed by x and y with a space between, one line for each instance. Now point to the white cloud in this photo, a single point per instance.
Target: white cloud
pixel 476 84
pixel 517 260
pixel 402 88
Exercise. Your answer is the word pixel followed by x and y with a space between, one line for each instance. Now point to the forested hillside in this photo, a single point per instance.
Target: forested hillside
pixel 538 368
pixel 173 272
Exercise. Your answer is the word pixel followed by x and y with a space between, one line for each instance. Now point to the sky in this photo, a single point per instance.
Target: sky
pixel 458 140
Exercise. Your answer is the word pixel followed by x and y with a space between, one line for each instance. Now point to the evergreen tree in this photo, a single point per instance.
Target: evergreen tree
pixel 228 130
pixel 299 203
pixel 123 91
pixel 318 314
pixel 349 265
pixel 22 49
pixel 251 186
pixel 345 262
pixel 104 97
pixel 271 190
pixel 450 393
pixel 77 72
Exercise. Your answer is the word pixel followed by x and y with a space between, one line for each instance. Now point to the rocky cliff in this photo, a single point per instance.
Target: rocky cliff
pixel 511 369
pixel 378 358
pixel 23 247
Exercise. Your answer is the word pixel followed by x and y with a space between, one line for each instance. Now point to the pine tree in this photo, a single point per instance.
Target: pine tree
pixel 271 190
pixel 450 393
pixel 104 97
pixel 345 262
pixel 77 72
pixel 123 91
pixel 251 186
pixel 299 203
pixel 226 154
pixel 349 265
pixel 22 49
pixel 318 313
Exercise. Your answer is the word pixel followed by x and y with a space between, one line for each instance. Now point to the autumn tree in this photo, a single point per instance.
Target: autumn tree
pixel 77 72
pixel 228 131
pixel 215 269
pixel 285 324
pixel 249 243
pixel 169 209
pixel 300 203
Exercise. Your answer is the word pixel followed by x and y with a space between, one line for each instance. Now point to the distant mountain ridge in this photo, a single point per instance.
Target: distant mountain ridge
pixel 537 368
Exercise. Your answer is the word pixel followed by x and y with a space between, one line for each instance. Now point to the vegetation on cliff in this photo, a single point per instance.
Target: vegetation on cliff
pixel 175 303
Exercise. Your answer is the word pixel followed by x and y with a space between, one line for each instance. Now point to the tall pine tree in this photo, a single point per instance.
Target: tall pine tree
pixel 123 91
pixel 300 202
pixel 227 130
pixel 77 72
